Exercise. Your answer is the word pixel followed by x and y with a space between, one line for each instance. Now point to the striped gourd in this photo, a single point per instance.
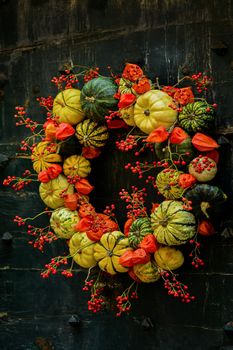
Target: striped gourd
pixel 167 184
pixel 76 165
pixel 126 86
pixel 194 117
pixel 97 98
pixel 172 224
pixel 91 134
pixel 62 221
pixel 108 251
pixel 147 273
pixel 138 230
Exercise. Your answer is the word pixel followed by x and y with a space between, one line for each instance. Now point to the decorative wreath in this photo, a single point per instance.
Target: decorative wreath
pixel 169 123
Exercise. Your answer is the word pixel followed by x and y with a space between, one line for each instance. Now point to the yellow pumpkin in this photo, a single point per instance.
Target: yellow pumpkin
pixel 147 273
pixel 82 250
pixel 43 155
pixel 63 221
pixel 108 251
pixel 169 258
pixel 167 184
pixel 76 165
pixel 67 107
pixel 51 192
pixel 152 110
pixel 127 114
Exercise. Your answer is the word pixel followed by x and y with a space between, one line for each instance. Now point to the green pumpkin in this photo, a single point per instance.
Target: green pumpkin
pixel 167 184
pixel 138 230
pixel 205 199
pixel 147 273
pixel 178 150
pixel 172 224
pixel 62 221
pixel 194 117
pixel 97 98
pixel 91 134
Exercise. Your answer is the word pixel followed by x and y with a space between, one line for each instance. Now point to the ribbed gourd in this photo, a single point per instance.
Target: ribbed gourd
pixel 169 258
pixel 91 134
pixel 108 251
pixel 62 221
pixel 152 110
pixel 126 86
pixel 147 273
pixel 167 184
pixel 82 250
pixel 172 224
pixel 194 117
pixel 138 230
pixel 43 155
pixel 52 192
pixel 97 98
pixel 76 165
pixel 67 107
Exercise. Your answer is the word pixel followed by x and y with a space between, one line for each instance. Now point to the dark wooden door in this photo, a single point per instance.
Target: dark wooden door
pixel 168 38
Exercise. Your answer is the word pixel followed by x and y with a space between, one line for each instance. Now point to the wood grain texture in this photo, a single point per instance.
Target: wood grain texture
pixel 36 37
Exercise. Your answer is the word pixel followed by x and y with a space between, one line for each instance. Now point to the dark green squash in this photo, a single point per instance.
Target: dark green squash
pixel 138 230
pixel 178 151
pixel 97 98
pixel 205 199
pixel 194 117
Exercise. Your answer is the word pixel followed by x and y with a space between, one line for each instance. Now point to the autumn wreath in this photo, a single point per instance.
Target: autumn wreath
pixel 174 125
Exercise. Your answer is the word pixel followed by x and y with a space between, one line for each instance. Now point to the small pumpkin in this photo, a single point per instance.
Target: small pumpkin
pixel 194 116
pixel 203 168
pixel 62 221
pixel 126 86
pixel 51 192
pixel 138 230
pixel 67 107
pixel 108 251
pixel 91 134
pixel 172 224
pixel 205 199
pixel 97 98
pixel 167 182
pixel 147 273
pixel 43 155
pixel 82 250
pixel 169 258
pixel 152 110
pixel 76 165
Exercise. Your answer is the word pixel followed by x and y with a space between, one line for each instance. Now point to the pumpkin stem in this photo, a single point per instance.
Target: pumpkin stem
pixel 204 207
pixel 163 222
pixel 147 112
pixel 90 99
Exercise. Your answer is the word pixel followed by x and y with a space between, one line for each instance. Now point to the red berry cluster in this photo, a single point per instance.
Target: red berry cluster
pixel 176 288
pixel 187 205
pixel 23 120
pixel 202 81
pixel 51 268
pixel 135 201
pixel 42 236
pixel 46 102
pixel 97 302
pixel 18 183
pixel 109 210
pixel 196 261
pixel 91 74
pixel 123 302
pixel 65 81
pixel 19 220
pixel 128 144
